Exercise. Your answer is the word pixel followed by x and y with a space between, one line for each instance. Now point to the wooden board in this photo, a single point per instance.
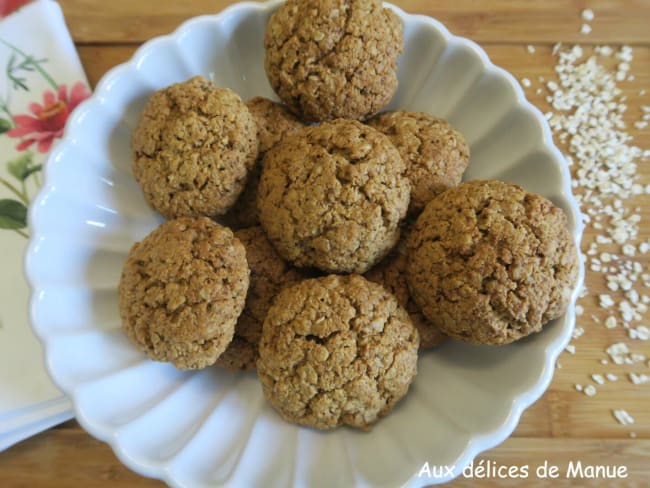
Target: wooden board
pixel 563 425
pixel 512 21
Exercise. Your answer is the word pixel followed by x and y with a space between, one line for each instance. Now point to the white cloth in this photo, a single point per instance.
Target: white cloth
pixel 41 80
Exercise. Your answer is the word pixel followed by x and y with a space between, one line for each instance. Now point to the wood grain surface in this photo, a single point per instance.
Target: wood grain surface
pixel 563 425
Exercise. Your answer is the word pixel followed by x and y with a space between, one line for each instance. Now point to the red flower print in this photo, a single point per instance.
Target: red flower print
pixel 8 6
pixel 48 119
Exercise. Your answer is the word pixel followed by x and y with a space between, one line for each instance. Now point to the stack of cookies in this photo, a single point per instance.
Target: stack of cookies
pixel 322 242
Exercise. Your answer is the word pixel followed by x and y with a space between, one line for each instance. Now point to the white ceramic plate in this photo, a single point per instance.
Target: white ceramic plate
pixel 213 427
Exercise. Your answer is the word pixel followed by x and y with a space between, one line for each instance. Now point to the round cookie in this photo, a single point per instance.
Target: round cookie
pixel 332 196
pixel 329 59
pixel 193 148
pixel 269 274
pixel 336 350
pixel 491 263
pixel 181 291
pixel 391 274
pixel 273 121
pixel 436 155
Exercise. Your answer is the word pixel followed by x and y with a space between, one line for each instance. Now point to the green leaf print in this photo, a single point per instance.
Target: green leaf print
pixel 23 166
pixel 13 214
pixel 5 125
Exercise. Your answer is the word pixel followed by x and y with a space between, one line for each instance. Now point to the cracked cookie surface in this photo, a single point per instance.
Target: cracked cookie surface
pixel 181 291
pixel 391 274
pixel 269 274
pixel 332 196
pixel 273 122
pixel 436 155
pixel 337 350
pixel 491 263
pixel 329 59
pixel 193 148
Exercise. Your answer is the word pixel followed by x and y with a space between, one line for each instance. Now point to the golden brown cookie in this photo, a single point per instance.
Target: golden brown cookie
pixel 491 263
pixel 193 148
pixel 269 274
pixel 391 274
pixel 332 196
pixel 336 350
pixel 436 155
pixel 181 291
pixel 329 59
pixel 273 121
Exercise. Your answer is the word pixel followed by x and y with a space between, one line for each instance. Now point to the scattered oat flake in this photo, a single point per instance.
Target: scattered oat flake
pixel 578 387
pixel 605 51
pixel 623 417
pixel 606 301
pixel 530 48
pixel 587 14
pixel 629 250
pixel 570 348
pixel 633 435
pixel 643 333
pixel 525 82
pixel 639 379
pixel 598 378
pixel 586 115
pixel 618 348
pixel 585 29
pixel 618 352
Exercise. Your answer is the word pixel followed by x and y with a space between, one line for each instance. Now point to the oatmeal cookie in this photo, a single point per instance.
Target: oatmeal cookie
pixel 332 196
pixel 193 148
pixel 491 263
pixel 273 121
pixel 336 350
pixel 329 59
pixel 391 274
pixel 269 274
pixel 181 291
pixel 436 155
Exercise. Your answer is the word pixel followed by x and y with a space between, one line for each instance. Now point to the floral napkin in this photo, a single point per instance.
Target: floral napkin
pixel 41 82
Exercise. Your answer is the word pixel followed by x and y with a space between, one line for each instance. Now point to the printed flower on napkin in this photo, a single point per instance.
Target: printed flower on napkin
pixel 38 128
pixel 47 120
